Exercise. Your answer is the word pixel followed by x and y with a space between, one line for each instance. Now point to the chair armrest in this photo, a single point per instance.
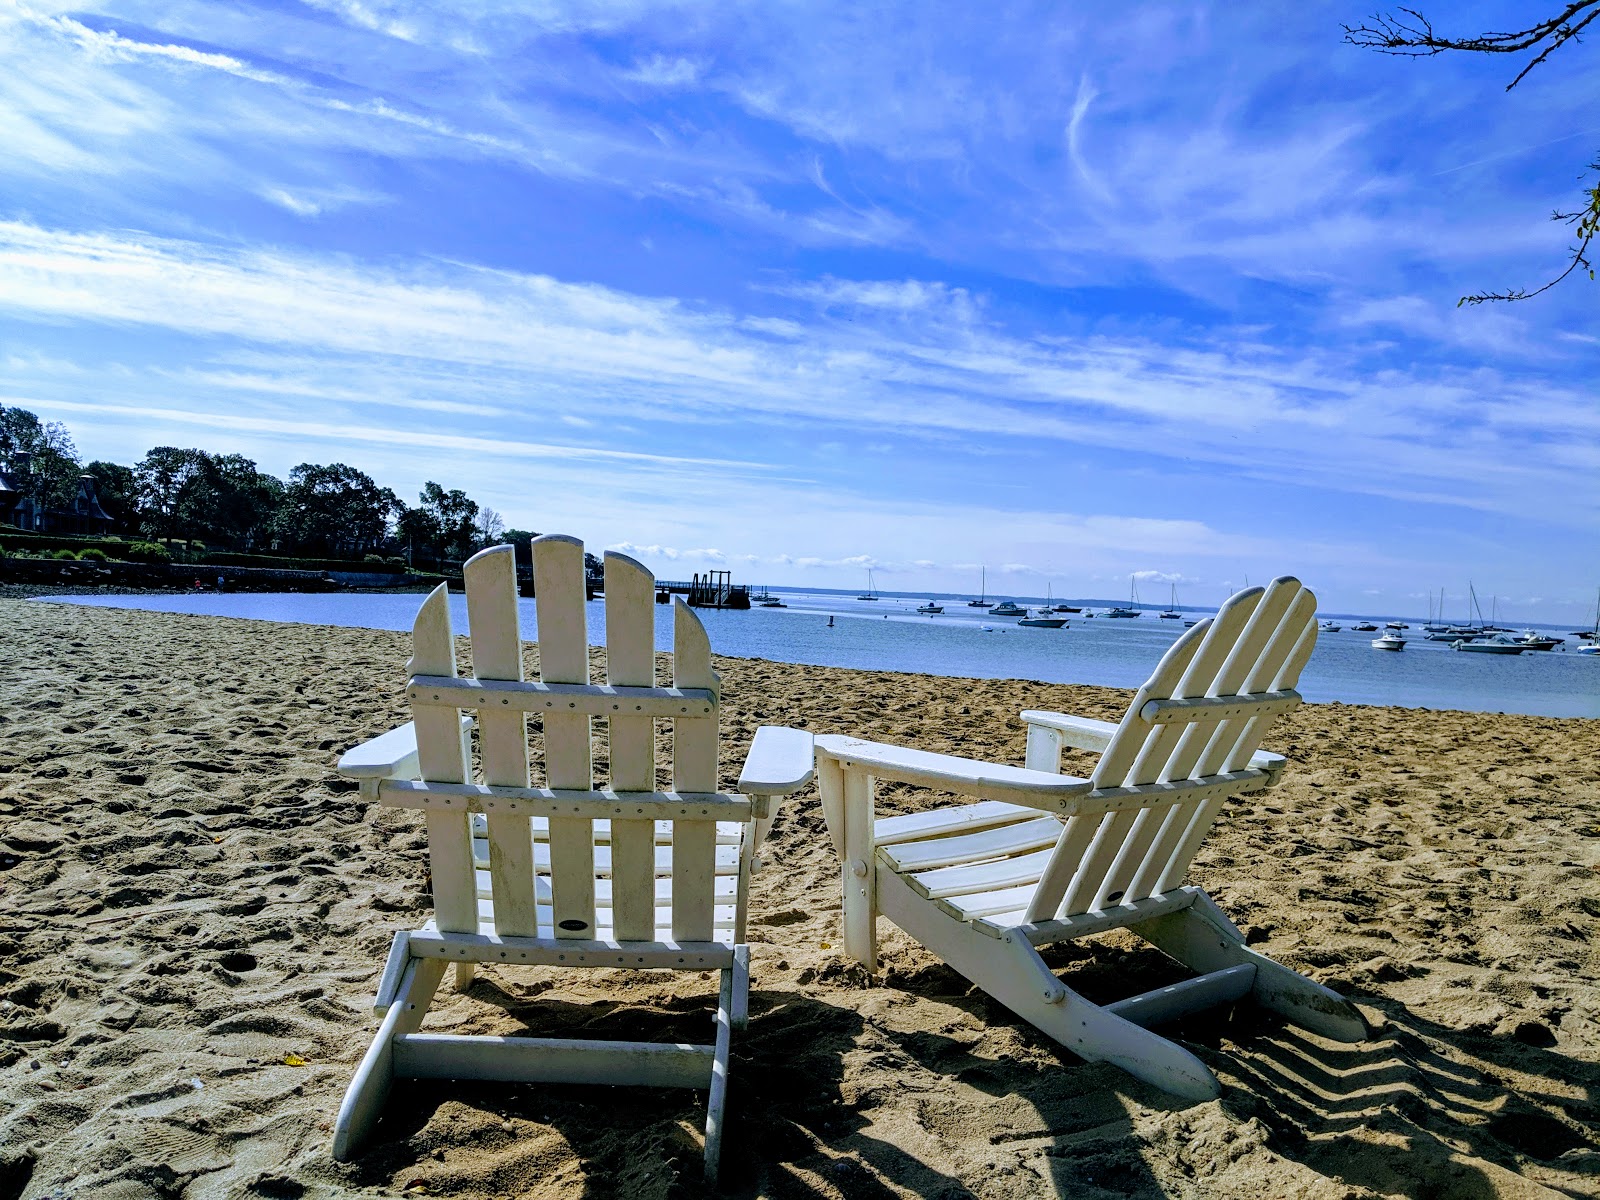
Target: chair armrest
pixel 781 761
pixel 391 755
pixel 963 776
pixel 1085 733
pixel 1081 733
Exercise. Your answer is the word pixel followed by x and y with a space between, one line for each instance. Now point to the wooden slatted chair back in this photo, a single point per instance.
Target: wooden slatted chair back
pixel 1186 741
pixel 571 858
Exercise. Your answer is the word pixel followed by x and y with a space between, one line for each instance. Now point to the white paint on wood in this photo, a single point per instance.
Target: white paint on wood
pixel 551 1060
pixel 693 847
pixel 566 802
pixel 780 761
pixel 859 871
pixel 946 772
pixel 440 757
pixel 491 580
pixel 590 699
pixel 1016 838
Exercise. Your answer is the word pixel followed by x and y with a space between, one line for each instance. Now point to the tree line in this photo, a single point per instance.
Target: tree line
pixel 323 510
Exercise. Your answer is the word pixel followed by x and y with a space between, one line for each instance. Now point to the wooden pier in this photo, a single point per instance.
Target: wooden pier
pixel 714 589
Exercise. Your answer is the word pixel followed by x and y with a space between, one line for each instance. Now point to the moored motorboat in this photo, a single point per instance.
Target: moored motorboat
pixel 1498 644
pixel 930 607
pixel 1396 625
pixel 1006 608
pixel 1535 640
pixel 1364 627
pixel 1042 620
pixel 1329 627
pixel 1389 641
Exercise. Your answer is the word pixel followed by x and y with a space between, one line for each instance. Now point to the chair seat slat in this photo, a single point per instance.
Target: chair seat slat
pixel 1001 840
pixel 940 821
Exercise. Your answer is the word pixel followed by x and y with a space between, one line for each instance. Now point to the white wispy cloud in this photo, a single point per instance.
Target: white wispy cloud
pixel 1260 411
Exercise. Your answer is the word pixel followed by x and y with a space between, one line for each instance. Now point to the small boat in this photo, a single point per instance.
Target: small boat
pixel 771 602
pixel 983 590
pixel 1396 625
pixel 1364 627
pixel 1589 648
pixel 1088 614
pixel 1534 640
pixel 1329 627
pixel 1041 620
pixel 1171 613
pixel 1007 609
pixel 1498 644
pixel 1132 608
pixel 1389 641
pixel 1190 622
pixel 930 607
pixel 1067 608
pixel 872 592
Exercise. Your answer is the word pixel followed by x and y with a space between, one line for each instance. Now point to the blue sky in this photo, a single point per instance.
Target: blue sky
pixel 1069 291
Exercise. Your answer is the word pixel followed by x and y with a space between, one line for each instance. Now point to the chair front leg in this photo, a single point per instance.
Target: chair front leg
pixel 857 874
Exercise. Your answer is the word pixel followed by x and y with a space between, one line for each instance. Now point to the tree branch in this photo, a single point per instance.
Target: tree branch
pixel 1411 35
pixel 1587 221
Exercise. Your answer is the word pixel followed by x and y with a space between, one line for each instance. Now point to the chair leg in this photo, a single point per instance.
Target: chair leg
pixel 364 1098
pixel 1012 972
pixel 466 972
pixel 716 1101
pixel 740 1012
pixel 1203 939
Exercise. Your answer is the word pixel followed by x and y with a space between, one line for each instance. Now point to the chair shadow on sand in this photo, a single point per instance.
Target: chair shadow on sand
pixel 1421 1110
pixel 1443 1110
pixel 789 1123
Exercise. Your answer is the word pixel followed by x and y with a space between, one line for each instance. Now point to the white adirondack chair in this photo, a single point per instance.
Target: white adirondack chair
pixel 1047 858
pixel 571 873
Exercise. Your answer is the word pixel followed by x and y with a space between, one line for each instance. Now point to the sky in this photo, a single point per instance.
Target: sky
pixel 1071 293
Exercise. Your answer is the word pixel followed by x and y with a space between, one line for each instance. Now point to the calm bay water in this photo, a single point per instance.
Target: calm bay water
pixel 889 635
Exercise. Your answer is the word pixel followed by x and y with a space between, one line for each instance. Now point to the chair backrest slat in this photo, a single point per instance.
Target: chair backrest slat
pixel 694 769
pixel 1257 643
pixel 442 757
pixel 491 580
pixel 631 662
pixel 558 582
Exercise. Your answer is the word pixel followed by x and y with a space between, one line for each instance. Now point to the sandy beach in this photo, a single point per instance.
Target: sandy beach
pixel 194 910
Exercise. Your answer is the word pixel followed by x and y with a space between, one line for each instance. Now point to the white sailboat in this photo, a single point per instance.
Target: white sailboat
pixel 1133 609
pixel 872 592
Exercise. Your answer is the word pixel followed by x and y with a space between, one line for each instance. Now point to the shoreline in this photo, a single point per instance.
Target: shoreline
pixel 43 592
pixel 190 896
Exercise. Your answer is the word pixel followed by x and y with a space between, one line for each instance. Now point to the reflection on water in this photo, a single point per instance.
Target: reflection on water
pixel 889 635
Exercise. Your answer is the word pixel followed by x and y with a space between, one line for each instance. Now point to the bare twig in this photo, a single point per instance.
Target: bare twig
pixel 1412 36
